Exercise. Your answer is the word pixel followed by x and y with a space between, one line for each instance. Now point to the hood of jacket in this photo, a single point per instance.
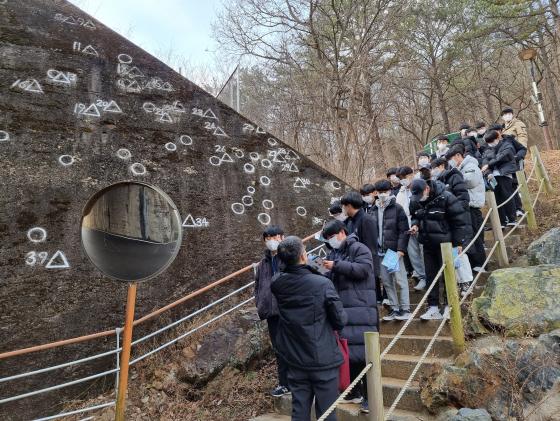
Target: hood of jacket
pixel 468 160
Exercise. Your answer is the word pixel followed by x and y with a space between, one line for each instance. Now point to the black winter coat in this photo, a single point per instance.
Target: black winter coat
pixel 520 150
pixel 501 157
pixel 455 183
pixel 440 219
pixel 264 300
pixel 353 279
pixel 363 225
pixel 471 147
pixel 395 226
pixel 310 311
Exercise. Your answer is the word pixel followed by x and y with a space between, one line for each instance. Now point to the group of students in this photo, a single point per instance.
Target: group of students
pixel 377 238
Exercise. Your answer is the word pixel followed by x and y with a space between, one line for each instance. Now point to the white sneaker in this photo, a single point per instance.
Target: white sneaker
pixel 478 269
pixel 386 302
pixel 404 315
pixel 432 314
pixel 447 313
pixel 519 213
pixel 421 285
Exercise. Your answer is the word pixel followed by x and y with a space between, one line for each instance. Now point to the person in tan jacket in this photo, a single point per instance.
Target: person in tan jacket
pixel 514 127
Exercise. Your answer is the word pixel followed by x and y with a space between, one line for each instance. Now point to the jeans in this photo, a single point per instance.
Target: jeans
pixel 304 385
pixel 415 255
pixel 477 254
pixel 503 191
pixel 280 364
pixel 433 262
pixel 392 281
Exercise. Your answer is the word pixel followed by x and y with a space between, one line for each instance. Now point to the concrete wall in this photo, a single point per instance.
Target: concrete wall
pixel 81 108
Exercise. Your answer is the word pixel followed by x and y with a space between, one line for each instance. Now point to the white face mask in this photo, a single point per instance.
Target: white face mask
pixel 383 198
pixel 436 173
pixel 452 163
pixel 272 245
pixel 341 217
pixel 441 146
pixel 492 145
pixel 425 197
pixel 405 182
pixel 423 160
pixel 368 199
pixel 507 117
pixel 481 131
pixel 335 243
pixel 394 179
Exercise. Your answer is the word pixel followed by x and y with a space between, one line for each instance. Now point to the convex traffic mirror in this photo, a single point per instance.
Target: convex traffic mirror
pixel 131 231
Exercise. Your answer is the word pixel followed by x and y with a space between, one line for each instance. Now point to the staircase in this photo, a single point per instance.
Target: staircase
pixel 401 359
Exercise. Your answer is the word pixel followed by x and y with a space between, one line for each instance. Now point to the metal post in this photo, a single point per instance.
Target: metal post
pixel 456 320
pixel 526 200
pixel 503 260
pixel 374 385
pixel 237 87
pixel 542 174
pixel 125 354
pixel 118 356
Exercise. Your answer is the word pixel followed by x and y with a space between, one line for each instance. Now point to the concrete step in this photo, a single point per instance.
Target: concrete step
pixel 416 344
pixel 416 327
pixel 401 366
pixel 411 399
pixel 520 230
pixel 512 241
pixel 344 412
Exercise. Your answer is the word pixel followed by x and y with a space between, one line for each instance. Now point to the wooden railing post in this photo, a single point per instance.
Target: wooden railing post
pixel 374 384
pixel 526 200
pixel 497 229
pixel 542 174
pixel 456 320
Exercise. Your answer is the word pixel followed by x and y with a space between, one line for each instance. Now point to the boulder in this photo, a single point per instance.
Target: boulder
pixel 505 376
pixel 237 342
pixel 465 414
pixel 518 302
pixel 546 249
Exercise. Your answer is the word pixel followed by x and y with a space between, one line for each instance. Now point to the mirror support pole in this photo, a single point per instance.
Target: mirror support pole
pixel 125 354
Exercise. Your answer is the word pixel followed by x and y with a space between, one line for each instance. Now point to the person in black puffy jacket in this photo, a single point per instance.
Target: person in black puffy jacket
pixel 351 269
pixel 267 308
pixel 310 313
pixel 499 163
pixel 393 228
pixel 520 154
pixel 438 217
pixel 470 143
pixel 453 180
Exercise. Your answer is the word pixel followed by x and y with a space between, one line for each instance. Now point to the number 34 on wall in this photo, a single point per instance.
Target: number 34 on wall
pixel 57 261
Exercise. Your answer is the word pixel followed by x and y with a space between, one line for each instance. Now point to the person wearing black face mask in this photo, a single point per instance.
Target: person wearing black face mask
pixel 499 162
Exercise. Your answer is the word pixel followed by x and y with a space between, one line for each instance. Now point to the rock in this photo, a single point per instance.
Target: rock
pixel 465 414
pixel 518 302
pixel 237 342
pixel 548 409
pixel 505 376
pixel 546 249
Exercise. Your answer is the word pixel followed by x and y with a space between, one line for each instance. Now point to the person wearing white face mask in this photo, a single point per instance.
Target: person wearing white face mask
pixel 368 196
pixel 499 162
pixel 414 248
pixel 395 182
pixel 267 307
pixel 437 217
pixel 336 211
pixel 351 270
pixel 514 127
pixel 442 146
pixel 393 228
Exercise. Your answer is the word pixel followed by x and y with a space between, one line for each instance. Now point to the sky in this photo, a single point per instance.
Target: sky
pixel 160 26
